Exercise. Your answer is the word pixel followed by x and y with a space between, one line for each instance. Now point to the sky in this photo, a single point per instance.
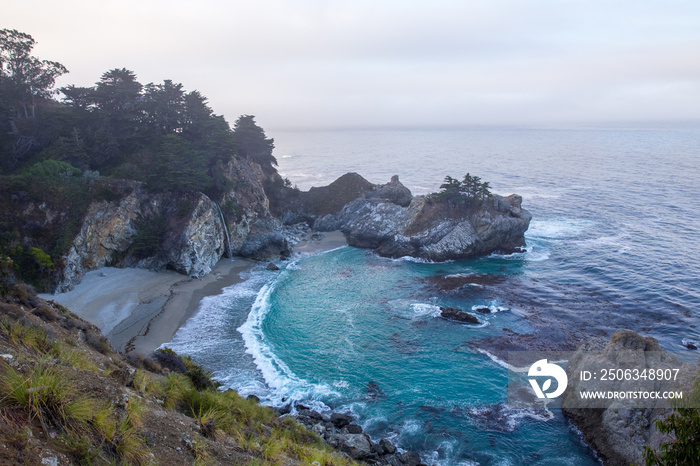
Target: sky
pixel 390 63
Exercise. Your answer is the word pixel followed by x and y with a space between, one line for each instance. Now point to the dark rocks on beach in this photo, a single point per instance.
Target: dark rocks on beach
pixel 272 266
pixel 341 419
pixel 338 431
pixel 357 446
pixel 691 346
pixel 410 458
pixel 387 447
pixel 354 429
pixel 483 310
pixel 282 410
pixel 452 313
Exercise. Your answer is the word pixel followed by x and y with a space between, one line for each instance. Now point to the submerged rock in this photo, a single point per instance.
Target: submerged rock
pixel 452 313
pixel 483 310
pixel 373 390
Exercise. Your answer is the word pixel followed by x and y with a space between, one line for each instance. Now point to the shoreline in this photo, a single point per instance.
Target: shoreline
pixel 139 310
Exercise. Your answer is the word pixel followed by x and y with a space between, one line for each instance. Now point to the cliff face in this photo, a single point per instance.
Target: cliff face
pixel 619 429
pixel 190 241
pixel 254 231
pixel 183 232
pixel 382 220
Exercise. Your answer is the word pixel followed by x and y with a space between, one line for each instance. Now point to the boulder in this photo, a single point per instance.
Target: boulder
pixel 195 233
pixel 387 447
pixel 341 420
pixel 357 446
pixel 452 313
pixel 353 429
pixel 192 240
pixel 410 458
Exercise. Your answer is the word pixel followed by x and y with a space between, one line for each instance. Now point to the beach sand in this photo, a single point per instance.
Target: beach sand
pixel 139 310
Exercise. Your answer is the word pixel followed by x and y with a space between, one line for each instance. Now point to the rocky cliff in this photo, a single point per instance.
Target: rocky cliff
pixel 189 238
pixel 393 223
pixel 619 429
pixel 90 222
pixel 184 232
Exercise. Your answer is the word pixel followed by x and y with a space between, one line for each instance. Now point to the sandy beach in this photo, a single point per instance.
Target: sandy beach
pixel 139 310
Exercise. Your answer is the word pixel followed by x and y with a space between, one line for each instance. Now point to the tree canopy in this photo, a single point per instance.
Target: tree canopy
pixel 54 144
pixel 471 190
pixel 252 143
pixel 27 76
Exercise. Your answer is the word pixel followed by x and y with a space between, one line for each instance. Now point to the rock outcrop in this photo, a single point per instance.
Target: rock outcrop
pixel 458 315
pixel 427 229
pixel 338 431
pixel 191 236
pixel 618 429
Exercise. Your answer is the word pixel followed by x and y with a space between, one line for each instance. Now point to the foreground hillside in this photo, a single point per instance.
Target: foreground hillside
pixel 66 398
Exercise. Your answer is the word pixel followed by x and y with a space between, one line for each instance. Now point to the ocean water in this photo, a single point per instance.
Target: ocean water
pixel 611 245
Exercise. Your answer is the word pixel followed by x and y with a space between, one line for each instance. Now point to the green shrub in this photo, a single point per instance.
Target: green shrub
pixel 684 425
pixel 149 239
pixel 51 169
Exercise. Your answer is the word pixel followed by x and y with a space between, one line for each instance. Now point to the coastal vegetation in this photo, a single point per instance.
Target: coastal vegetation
pixel 63 149
pixel 66 397
pixel 469 191
pixel 683 426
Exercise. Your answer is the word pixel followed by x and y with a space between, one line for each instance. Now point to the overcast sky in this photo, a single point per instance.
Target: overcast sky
pixel 349 63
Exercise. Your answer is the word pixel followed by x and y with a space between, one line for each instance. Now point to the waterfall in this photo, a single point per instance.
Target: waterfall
pixel 228 237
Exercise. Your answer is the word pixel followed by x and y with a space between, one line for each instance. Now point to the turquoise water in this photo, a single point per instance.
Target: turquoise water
pixel 611 246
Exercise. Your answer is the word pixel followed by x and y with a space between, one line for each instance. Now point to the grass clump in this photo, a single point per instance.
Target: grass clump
pixel 46 395
pixel 31 337
pixel 255 428
pixel 121 434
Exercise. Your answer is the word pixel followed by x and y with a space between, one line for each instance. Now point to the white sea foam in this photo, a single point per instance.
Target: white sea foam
pixel 425 310
pixel 563 228
pixel 341 384
pixel 503 417
pixel 420 260
pixel 493 308
pixel 533 253
pixel 688 341
pixel 618 243
pixel 278 376
pixel 411 426
pixel 203 329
